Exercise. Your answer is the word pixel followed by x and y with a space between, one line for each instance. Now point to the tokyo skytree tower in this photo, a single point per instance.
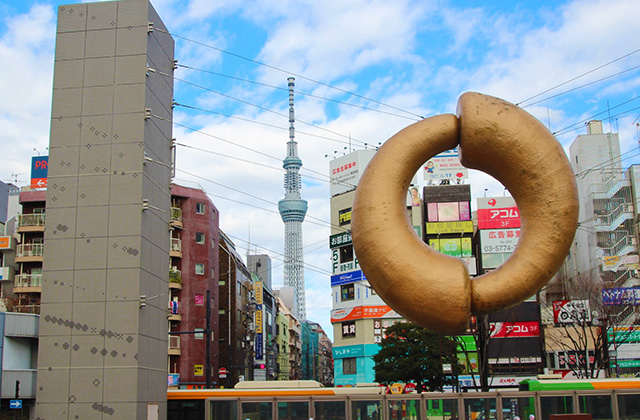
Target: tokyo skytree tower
pixel 292 210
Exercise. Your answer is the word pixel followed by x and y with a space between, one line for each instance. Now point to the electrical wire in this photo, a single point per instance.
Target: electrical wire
pixel 310 95
pixel 299 76
pixel 570 127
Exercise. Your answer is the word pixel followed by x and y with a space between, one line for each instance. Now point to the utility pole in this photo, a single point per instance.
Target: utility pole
pixel 207 337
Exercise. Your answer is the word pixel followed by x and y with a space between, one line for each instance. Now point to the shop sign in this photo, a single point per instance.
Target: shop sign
pixel 497 241
pixel 498 213
pixel 621 296
pixel 514 329
pixel 435 228
pixel 345 278
pixel 341 239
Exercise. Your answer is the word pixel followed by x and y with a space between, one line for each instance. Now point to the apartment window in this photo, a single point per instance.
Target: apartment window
pixel 349 366
pixel 348 329
pixel 199 333
pixel 222 282
pixel 200 269
pixel 346 253
pixel 239 288
pixel 347 292
pixel 222 311
pixel 199 238
pixel 200 208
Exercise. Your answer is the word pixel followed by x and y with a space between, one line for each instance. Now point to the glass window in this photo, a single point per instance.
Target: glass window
pixel 200 238
pixel 293 410
pixel 448 212
pixel 599 406
pixel 200 269
pixel 222 282
pixel 199 333
pixel 255 410
pixel 442 409
pixel 404 409
pixel 222 311
pixel 480 408
pixel 347 292
pixel 200 208
pixel 561 404
pixel 366 410
pixel 346 253
pixel 629 406
pixel 330 410
pixel 522 407
pixel 349 366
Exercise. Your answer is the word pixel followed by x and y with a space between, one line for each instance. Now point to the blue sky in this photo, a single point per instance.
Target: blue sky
pixel 416 57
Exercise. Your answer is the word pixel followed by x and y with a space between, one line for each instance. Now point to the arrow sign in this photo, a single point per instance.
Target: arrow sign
pixel 15 403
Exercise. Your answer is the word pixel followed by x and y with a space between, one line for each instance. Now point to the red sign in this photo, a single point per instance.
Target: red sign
pixel 514 329
pixel 361 312
pixel 505 218
pixel 222 371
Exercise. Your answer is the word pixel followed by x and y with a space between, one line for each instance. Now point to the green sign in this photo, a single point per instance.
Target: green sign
pixel 341 239
pixel 626 363
pixel 623 334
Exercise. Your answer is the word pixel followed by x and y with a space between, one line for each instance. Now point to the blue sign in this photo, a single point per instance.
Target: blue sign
pixel 15 403
pixel 621 296
pixel 350 277
pixel 259 349
pixel 39 171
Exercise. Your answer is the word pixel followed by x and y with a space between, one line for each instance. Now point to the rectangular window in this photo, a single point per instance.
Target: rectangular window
pixel 222 282
pixel 346 253
pixel 200 269
pixel 199 333
pixel 200 208
pixel 221 311
pixel 346 292
pixel 349 366
pixel 348 329
pixel 239 287
pixel 200 238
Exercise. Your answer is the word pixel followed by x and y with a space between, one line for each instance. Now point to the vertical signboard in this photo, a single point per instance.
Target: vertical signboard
pixel 259 350
pixel 39 171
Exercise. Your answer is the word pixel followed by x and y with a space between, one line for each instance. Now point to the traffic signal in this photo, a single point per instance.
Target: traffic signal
pixel 260 366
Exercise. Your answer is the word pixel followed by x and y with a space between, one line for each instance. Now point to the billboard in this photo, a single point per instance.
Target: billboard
pixel 347 170
pixel 362 312
pixel 435 228
pixel 514 329
pixel 570 311
pixel 497 241
pixel 39 170
pixel 621 296
pixel 341 239
pixel 345 278
pixel 498 213
pixel 455 247
pixel 624 334
pixel 626 262
pixel 445 165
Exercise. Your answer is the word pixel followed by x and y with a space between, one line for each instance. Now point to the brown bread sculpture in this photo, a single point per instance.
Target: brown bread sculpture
pixel 435 290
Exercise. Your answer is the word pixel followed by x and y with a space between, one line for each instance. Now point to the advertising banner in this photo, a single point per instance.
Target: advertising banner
pixel 626 262
pixel 498 213
pixel 570 311
pixel 449 227
pixel 445 165
pixel 259 346
pixel 627 350
pixel 621 296
pixel 361 312
pixel 6 242
pixel 514 329
pixel 347 170
pixel 624 334
pixel 39 171
pixel 455 247
pixel 498 241
pixel 338 267
pixel 341 239
pixel 345 278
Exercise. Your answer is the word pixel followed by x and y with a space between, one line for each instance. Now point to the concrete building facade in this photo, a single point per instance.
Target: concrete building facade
pixel 103 340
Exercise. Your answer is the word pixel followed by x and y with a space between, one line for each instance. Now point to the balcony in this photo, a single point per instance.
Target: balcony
pixel 27 378
pixel 28 283
pixel 175 219
pixel 175 279
pixel 174 345
pixel 30 222
pixel 6 274
pixel 29 253
pixel 176 248
pixel 174 312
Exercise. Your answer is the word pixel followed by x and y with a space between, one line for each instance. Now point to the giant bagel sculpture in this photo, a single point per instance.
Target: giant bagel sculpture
pixel 435 290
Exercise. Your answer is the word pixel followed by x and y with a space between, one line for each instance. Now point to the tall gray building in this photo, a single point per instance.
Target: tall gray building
pixel 103 324
pixel 292 210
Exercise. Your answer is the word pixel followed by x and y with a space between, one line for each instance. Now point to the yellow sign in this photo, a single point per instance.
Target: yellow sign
pixel 449 227
pixel 5 242
pixel 198 370
pixel 258 322
pixel 258 292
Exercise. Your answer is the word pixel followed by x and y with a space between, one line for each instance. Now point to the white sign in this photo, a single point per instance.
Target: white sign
pixel 445 165
pixel 570 311
pixel 626 262
pixel 347 170
pixel 496 241
pixel 337 267
pixel 627 350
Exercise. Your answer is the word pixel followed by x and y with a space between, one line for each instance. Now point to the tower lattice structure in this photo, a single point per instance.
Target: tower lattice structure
pixel 293 210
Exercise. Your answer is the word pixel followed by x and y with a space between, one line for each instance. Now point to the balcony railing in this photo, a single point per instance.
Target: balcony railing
pixel 176 217
pixel 35 219
pixel 176 245
pixel 30 250
pixel 28 280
